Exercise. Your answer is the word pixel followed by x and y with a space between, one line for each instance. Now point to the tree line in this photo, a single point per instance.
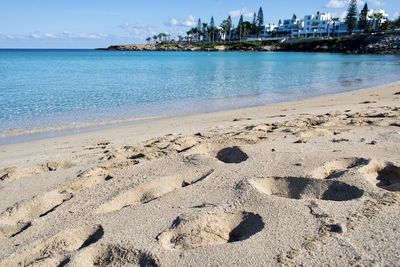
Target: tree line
pixel 209 32
pixel 367 23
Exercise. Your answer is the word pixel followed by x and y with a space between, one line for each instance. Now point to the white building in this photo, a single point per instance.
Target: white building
pixel 376 17
pixel 320 24
pixel 316 25
pixel 290 27
pixel 267 31
pixel 337 27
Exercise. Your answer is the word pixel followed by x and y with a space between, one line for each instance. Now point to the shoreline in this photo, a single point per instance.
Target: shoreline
pixel 16 136
pixel 98 130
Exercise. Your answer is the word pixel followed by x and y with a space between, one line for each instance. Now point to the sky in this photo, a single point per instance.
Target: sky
pixel 100 23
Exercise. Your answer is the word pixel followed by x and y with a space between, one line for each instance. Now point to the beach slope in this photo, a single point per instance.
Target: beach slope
pixel 311 182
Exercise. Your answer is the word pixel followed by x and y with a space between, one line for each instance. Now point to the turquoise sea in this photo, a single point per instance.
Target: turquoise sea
pixel 49 88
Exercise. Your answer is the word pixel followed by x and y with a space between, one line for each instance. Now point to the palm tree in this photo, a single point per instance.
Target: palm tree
pixel 226 26
pixel 298 27
pixel 397 22
pixel 189 35
pixel 193 34
pixel 376 20
pixel 205 31
pixel 148 39
pixel 246 28
pixel 163 37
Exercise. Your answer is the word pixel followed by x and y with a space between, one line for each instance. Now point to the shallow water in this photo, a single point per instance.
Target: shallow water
pixel 46 88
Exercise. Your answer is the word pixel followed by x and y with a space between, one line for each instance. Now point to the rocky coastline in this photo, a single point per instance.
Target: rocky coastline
pixel 361 44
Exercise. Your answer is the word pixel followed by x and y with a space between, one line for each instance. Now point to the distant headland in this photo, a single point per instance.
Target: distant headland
pixel 386 43
pixel 367 31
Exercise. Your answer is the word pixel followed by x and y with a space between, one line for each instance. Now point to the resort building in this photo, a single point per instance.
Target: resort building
pixel 317 25
pixel 289 27
pixel 267 31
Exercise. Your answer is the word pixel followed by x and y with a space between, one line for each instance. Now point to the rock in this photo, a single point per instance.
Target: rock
pixel 220 47
pixel 360 44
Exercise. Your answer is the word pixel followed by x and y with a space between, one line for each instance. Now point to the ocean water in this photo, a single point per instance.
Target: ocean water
pixel 51 88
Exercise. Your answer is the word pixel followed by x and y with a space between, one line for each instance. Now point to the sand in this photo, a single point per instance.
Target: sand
pixel 311 182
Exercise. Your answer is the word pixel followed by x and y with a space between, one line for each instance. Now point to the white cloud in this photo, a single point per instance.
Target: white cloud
pixel 50 35
pixel 244 11
pixel 67 35
pixel 336 4
pixel 36 35
pixel 172 22
pixel 63 35
pixel 343 14
pixel 39 35
pixel 344 3
pixel 188 22
pixel 378 3
pixel 92 36
pixel 136 30
pixel 133 32
pixel 7 36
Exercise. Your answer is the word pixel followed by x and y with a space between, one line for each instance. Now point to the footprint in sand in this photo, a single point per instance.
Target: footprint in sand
pixel 367 102
pixel 12 173
pixel 185 143
pixel 384 175
pixel 308 135
pixel 211 229
pixel 95 176
pixel 113 255
pixel 150 191
pixel 90 178
pixel 56 250
pixel 232 155
pixel 7 173
pixel 19 217
pixel 336 168
pixel 49 167
pixel 305 188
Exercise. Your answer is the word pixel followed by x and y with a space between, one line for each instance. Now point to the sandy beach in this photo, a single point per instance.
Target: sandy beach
pixel 306 183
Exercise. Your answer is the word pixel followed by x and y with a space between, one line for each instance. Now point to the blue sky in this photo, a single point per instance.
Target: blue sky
pixel 99 23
